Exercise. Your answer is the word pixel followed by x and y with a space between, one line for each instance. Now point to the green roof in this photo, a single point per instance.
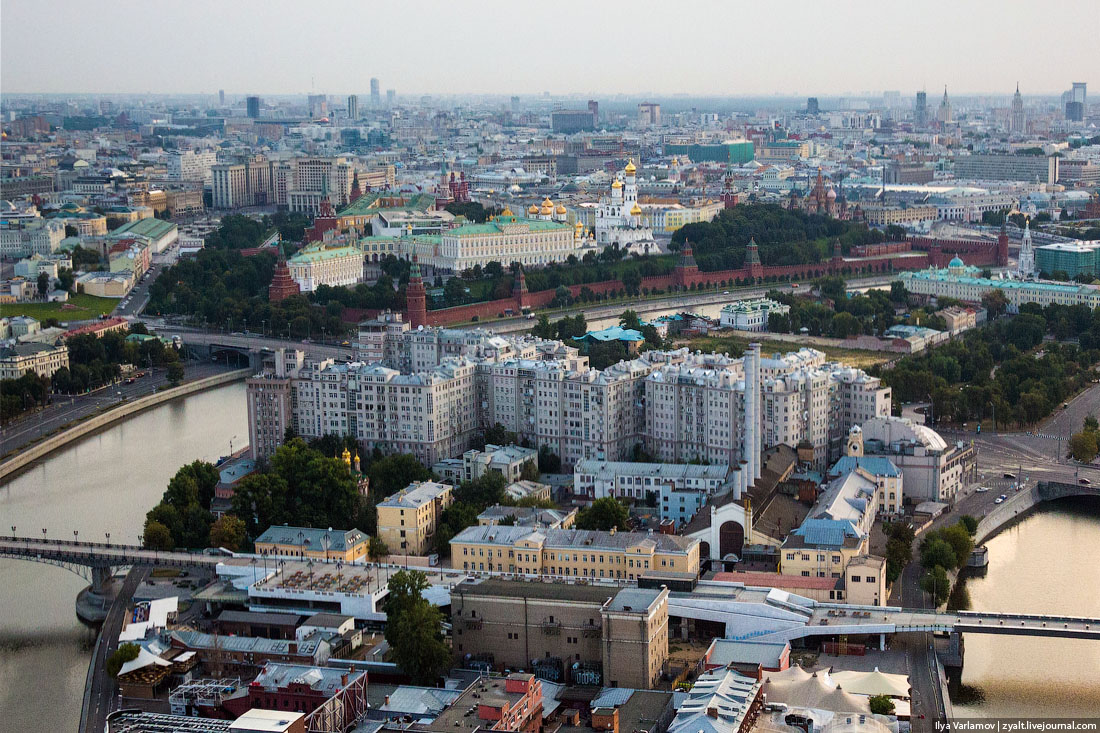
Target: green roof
pixel 151 227
pixel 367 204
pixel 495 227
pixel 316 254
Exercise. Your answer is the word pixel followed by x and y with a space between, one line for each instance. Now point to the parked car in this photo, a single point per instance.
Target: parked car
pixel 1000 499
pixel 983 489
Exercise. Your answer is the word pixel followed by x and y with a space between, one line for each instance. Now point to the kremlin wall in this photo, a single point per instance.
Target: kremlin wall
pixel 911 254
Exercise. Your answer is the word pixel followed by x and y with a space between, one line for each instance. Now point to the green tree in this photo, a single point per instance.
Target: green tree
pixel 936 551
pixel 377 549
pixel 414 629
pixel 156 536
pixel 175 373
pixel 549 462
pixel 881 705
pixel 530 471
pixel 119 657
pixel 970 523
pixel 603 514
pixel 936 583
pixel 43 284
pixel 228 531
pixel 391 474
pixel 845 325
pixel 961 544
pixel 1083 446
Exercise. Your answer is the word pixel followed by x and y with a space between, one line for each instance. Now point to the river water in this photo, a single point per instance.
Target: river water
pixel 107 482
pixel 1045 564
pixel 103 483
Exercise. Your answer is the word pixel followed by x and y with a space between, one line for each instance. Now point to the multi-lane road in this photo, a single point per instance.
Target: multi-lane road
pixel 66 409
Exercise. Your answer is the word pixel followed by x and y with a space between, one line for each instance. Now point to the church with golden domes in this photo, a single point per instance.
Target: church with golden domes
pixel 619 218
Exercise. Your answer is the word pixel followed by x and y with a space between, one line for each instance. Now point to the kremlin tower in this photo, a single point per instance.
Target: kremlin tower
pixel 416 297
pixel 282 284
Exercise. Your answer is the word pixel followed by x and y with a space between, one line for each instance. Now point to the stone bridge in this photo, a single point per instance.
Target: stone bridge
pixel 1021 503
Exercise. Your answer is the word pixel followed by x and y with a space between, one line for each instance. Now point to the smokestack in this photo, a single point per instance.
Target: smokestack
pixel 749 437
pixel 757 411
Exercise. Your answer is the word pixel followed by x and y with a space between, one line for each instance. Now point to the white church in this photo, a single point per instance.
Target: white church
pixel 619 218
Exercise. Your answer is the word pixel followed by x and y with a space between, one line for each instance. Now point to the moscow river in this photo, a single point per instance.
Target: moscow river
pixel 103 483
pixel 107 482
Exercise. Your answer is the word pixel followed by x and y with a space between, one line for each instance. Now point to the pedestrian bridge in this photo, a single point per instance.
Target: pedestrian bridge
pixel 764 614
pixel 94 561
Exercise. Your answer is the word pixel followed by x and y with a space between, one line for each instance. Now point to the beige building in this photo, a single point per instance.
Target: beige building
pixel 242 184
pixel 865 581
pixel 106 284
pixel 313 543
pixel 407 520
pixel 578 634
pixel 322 264
pixel 42 359
pixel 573 553
pixel 883 215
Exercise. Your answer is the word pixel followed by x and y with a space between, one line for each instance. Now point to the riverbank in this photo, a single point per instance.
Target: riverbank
pixel 26 458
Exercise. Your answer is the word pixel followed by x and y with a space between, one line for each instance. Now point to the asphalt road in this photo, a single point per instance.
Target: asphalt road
pixel 136 299
pixel 98 700
pixel 65 409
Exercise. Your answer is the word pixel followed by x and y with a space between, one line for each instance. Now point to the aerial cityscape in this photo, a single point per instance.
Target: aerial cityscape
pixel 599 368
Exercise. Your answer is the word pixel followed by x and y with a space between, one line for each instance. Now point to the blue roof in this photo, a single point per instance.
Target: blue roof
pixel 312 538
pixel 826 531
pixel 956 261
pixel 875 465
pixel 615 333
pixel 232 471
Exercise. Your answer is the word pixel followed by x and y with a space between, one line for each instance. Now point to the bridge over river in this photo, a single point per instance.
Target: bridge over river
pixel 1021 503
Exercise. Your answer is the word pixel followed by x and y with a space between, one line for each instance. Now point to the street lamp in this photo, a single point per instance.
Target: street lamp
pixel 13 531
pixel 108 535
pixel 76 533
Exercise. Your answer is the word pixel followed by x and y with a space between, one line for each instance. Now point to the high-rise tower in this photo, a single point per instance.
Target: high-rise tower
pixel 1018 122
pixel 375 94
pixel 1025 266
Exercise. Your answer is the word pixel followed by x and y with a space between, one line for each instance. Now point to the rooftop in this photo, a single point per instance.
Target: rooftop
pixel 312 538
pixel 416 494
pixel 326 680
pixel 576 539
pixel 151 227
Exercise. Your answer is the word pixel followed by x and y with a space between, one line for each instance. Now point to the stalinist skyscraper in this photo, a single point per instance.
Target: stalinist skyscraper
pixel 1018 122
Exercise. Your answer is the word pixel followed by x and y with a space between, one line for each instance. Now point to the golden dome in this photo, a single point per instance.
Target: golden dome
pixel 532 209
pixel 617 183
pixel 676 161
pixel 547 202
pixel 560 209
pixel 630 167
pixel 636 211
pixel 507 212
pixel 579 224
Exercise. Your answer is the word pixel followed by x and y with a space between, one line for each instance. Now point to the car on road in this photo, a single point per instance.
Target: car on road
pixel 983 489
pixel 1000 499
pixel 129 380
pixel 1084 481
pixel 794 286
pixel 1011 476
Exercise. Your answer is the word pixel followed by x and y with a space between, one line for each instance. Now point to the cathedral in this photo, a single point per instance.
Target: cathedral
pixel 822 199
pixel 619 218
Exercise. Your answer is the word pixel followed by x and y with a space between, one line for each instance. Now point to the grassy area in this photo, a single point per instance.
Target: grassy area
pixel 736 345
pixel 79 308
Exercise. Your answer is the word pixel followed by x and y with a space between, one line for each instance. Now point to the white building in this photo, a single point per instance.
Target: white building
pixel 751 315
pixel 24 237
pixel 191 165
pixel 931 469
pixel 624 479
pixel 619 218
pixel 965 283
pixel 539 239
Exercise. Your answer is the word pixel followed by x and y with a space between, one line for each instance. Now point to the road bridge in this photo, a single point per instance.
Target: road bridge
pixel 95 561
pixel 1021 503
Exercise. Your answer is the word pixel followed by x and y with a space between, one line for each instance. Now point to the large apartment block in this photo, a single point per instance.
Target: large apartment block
pixel 428 391
pixel 580 634
pixel 408 519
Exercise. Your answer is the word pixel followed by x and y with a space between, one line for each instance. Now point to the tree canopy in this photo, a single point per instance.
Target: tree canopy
pixel 414 629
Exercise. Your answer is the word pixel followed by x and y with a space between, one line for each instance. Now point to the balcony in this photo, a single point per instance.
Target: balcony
pixel 551 628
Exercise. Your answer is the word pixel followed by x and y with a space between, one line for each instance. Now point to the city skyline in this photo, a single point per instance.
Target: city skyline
pixel 732 56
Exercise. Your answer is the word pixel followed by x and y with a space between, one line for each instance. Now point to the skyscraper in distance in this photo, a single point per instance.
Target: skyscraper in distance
pixel 375 93
pixel 812 106
pixel 353 107
pixel 391 95
pixel 1017 122
pixel 252 106
pixel 920 111
pixel 594 108
pixel 221 97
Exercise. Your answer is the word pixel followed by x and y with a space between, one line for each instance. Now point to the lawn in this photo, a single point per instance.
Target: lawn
pixel 79 308
pixel 736 345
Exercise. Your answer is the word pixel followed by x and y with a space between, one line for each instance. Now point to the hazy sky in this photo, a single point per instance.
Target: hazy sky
pixel 801 47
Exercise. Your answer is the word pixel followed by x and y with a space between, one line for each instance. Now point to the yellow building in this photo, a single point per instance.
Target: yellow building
pixel 821 548
pixel 572 552
pixel 407 520
pixel 312 543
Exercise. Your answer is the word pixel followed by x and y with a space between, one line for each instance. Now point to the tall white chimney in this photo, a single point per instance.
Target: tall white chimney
pixel 749 440
pixel 758 410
